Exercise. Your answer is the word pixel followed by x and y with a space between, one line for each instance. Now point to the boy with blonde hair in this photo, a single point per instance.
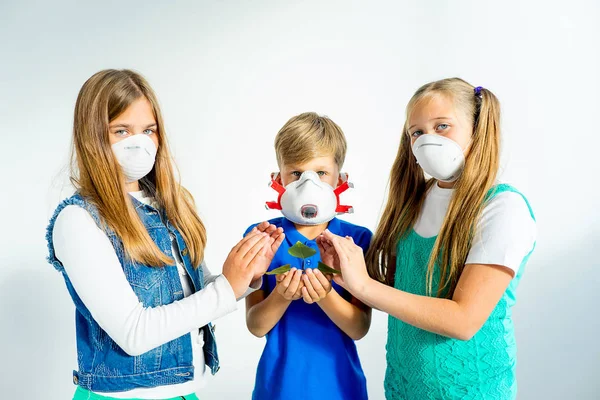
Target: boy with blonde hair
pixel 310 351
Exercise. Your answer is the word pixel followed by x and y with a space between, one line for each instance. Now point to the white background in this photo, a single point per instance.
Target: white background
pixel 229 74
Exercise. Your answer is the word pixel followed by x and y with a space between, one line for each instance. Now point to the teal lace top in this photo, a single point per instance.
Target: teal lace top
pixel 423 365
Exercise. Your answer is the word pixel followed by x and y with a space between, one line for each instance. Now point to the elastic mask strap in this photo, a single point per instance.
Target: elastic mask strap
pixel 343 209
pixel 275 205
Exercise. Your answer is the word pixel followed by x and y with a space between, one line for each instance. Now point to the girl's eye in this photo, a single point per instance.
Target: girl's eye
pixel 296 174
pixel 121 132
pixel 321 173
pixel 416 133
pixel 148 131
pixel 442 127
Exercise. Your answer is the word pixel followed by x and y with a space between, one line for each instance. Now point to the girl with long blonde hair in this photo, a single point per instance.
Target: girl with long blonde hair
pixel 130 246
pixel 448 254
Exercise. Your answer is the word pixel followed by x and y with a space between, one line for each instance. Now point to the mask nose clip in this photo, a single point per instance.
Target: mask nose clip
pixel 308 176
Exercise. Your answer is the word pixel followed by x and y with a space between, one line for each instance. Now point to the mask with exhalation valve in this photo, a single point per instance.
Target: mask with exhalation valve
pixel 309 201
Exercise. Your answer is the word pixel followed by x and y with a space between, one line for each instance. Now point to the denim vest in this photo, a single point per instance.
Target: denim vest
pixel 103 365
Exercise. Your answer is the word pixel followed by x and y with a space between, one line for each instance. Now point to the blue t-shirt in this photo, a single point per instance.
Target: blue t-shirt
pixel 307 357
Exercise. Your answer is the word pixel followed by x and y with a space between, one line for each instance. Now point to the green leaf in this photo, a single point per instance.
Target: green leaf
pixel 300 250
pixel 281 270
pixel 327 269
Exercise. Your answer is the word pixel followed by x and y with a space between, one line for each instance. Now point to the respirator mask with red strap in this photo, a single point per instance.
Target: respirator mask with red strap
pixel 309 201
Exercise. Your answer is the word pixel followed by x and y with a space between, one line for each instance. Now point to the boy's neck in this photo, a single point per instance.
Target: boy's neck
pixel 311 232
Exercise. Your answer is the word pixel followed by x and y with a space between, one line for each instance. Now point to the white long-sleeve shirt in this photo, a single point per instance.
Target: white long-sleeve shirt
pixel 96 274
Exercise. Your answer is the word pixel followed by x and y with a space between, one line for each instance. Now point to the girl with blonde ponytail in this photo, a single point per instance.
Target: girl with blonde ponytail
pixel 448 254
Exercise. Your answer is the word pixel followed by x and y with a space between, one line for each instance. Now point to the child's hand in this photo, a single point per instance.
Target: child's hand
pixel 329 256
pixel 316 286
pixel 263 259
pixel 237 269
pixel 351 262
pixel 290 285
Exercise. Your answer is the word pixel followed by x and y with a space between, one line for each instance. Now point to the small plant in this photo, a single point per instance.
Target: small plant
pixel 302 251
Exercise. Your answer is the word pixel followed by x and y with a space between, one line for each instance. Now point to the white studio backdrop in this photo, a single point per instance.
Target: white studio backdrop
pixel 229 74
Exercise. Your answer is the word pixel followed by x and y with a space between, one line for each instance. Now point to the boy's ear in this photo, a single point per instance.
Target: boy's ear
pixel 276 176
pixel 342 178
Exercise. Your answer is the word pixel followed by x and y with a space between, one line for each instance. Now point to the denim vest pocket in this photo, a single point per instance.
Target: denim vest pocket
pixel 143 281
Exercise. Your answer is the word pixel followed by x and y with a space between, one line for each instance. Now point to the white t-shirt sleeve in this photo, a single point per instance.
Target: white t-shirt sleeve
pixel 95 272
pixel 505 234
